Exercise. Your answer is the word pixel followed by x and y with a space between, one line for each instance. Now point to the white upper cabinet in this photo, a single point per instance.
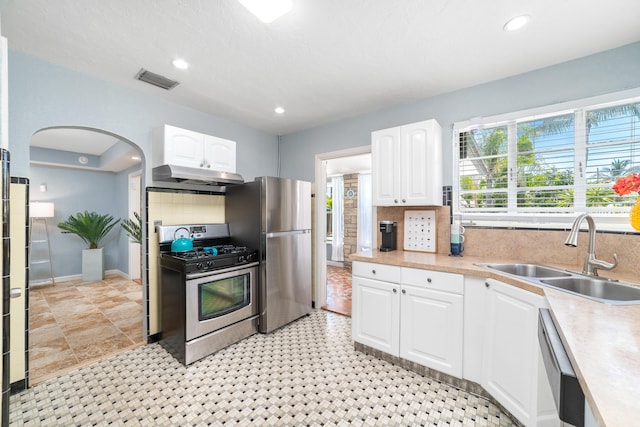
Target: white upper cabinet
pixel 182 147
pixel 219 154
pixel 407 165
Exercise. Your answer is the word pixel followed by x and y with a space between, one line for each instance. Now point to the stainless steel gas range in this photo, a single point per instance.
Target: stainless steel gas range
pixel 209 294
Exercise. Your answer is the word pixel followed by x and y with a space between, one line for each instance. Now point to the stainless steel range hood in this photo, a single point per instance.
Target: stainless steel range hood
pixel 187 175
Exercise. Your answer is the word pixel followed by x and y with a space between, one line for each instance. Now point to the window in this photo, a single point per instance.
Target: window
pixel 545 168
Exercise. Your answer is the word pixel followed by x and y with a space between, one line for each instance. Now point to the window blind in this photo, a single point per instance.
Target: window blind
pixel 556 164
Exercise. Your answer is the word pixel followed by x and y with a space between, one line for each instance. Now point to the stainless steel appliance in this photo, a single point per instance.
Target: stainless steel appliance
pixel 567 393
pixel 209 295
pixel 275 214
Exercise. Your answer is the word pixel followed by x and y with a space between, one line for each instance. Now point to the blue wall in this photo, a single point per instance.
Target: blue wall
pixel 76 190
pixel 42 95
pixel 606 72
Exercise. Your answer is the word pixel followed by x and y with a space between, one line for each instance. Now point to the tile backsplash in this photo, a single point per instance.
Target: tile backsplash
pixel 523 245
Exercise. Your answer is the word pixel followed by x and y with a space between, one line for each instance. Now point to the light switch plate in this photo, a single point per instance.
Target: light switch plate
pixel 420 231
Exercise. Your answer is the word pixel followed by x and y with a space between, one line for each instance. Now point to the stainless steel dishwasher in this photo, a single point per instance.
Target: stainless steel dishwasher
pixel 567 392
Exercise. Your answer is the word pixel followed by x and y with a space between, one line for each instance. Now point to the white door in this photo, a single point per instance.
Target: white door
pixel 431 329
pixel 219 154
pixel 385 167
pixel 183 147
pixel 511 349
pixel 375 314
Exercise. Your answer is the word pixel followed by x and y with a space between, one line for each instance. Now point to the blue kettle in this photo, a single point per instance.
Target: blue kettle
pixel 182 244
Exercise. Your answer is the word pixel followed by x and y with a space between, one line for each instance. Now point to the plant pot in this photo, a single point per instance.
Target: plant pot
pixel 92 265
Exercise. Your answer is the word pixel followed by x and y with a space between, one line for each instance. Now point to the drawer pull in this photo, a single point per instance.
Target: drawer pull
pixel 404 291
pixel 428 279
pixel 373 271
pixel 395 290
pixel 487 285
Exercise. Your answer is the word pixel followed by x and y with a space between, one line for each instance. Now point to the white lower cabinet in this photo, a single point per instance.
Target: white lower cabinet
pixel 478 329
pixel 375 314
pixel 511 354
pixel 417 317
pixel 431 319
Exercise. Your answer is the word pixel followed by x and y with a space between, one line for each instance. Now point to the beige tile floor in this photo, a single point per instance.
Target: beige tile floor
pixel 76 323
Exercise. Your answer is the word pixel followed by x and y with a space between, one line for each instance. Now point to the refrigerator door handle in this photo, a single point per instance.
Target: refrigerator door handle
pixel 287 233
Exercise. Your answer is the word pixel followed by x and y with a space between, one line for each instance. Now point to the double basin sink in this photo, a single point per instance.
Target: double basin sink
pixel 608 291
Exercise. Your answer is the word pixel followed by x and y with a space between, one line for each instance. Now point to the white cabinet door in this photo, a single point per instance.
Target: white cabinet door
pixel 385 170
pixel 421 170
pixel 407 165
pixel 183 147
pixel 511 352
pixel 375 314
pixel 219 154
pixel 431 329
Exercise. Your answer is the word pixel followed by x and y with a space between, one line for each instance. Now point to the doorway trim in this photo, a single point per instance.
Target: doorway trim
pixel 135 202
pixel 320 225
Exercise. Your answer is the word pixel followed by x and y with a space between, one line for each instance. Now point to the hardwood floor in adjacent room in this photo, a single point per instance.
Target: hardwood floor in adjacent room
pixel 338 290
pixel 75 323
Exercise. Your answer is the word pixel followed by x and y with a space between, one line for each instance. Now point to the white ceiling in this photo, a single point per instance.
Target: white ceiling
pixel 353 164
pixel 81 142
pixel 325 60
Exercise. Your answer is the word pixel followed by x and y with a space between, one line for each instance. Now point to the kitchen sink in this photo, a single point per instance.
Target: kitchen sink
pixel 528 270
pixel 600 289
pixel 607 291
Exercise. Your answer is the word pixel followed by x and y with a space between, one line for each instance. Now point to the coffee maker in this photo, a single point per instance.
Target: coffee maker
pixel 389 235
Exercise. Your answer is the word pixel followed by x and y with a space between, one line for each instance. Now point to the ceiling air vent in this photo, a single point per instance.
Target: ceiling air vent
pixel 156 79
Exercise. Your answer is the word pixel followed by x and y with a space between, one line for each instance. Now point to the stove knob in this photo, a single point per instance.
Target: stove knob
pixel 199 266
pixel 209 264
pixel 242 258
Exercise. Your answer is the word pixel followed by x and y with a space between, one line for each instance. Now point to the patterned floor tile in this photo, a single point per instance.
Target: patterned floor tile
pixel 306 373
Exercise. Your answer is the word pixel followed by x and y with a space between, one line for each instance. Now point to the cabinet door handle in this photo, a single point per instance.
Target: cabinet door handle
pixel 395 290
pixel 404 201
pixel 487 285
pixel 373 271
pixel 428 279
pixel 404 291
pixel 201 165
pixel 395 200
pixel 15 292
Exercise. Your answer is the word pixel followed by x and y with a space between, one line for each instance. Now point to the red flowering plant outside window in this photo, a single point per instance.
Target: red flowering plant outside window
pixel 627 184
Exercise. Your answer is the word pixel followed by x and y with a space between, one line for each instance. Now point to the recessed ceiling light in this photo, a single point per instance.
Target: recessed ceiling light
pixel 516 23
pixel 135 157
pixel 83 160
pixel 279 110
pixel 180 64
pixel 268 10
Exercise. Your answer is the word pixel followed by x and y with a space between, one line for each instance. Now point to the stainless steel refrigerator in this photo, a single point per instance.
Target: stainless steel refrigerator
pixel 274 215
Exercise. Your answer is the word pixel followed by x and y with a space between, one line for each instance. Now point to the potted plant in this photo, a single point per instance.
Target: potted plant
pixel 91 227
pixel 133 228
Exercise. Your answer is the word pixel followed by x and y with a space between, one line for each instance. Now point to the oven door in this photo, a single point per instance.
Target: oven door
pixel 219 299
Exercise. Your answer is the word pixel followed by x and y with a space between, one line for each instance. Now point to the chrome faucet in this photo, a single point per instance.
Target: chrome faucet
pixel 591 264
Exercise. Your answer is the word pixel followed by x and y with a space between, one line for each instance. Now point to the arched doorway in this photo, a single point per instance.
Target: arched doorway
pixel 72 321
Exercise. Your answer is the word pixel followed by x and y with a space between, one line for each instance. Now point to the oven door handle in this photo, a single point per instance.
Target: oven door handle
pixel 222 271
